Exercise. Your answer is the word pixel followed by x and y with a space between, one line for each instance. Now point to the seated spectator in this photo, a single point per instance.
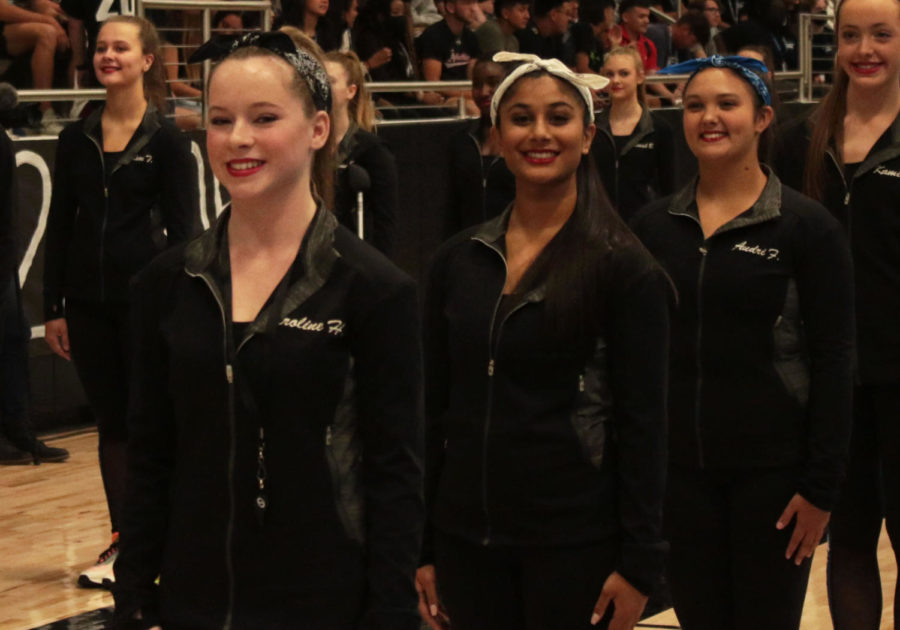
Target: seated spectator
pixel 591 35
pixel 544 38
pixel 42 36
pixel 712 11
pixel 498 34
pixel 635 15
pixel 449 50
pixel 349 11
pixel 425 13
pixel 683 40
pixel 310 17
pixel 353 121
pixel 481 186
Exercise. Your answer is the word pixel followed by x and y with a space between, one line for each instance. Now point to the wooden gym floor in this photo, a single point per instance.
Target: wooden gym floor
pixel 53 523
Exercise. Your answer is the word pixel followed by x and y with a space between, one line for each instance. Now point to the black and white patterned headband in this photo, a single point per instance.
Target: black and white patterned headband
pixel 220 47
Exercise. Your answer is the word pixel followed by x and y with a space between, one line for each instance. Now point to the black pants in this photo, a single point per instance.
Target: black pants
pixel 14 336
pixel 522 588
pixel 727 569
pixel 870 492
pixel 98 336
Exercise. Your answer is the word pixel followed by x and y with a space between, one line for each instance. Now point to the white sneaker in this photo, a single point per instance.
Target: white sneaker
pixel 100 574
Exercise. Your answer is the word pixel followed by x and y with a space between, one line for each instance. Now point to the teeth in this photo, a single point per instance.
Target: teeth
pixel 540 155
pixel 713 134
pixel 243 166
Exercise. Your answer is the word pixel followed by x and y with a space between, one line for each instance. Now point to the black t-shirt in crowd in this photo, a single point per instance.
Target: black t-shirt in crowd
pixel 454 52
pixel 552 47
pixel 585 42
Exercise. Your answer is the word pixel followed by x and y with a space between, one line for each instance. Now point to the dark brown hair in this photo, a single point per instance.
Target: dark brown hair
pixel 155 78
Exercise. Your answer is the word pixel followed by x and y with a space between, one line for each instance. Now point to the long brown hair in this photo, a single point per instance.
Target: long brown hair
pixel 361 108
pixel 322 173
pixel 155 78
pixel 828 125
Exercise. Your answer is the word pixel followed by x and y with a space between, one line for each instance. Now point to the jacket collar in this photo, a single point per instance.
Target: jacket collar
pixel 207 257
pixel 644 127
pixel 493 235
pixel 887 147
pixel 150 124
pixel 766 208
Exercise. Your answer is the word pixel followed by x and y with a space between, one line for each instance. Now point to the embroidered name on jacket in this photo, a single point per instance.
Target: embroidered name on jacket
pixel 769 253
pixel 886 171
pixel 147 159
pixel 332 326
pixel 644 145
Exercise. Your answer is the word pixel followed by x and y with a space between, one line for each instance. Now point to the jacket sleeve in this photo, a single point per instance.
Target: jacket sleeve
pixel 437 363
pixel 638 338
pixel 387 357
pixel 825 287
pixel 383 196
pixel 151 460
pixel 8 241
pixel 178 198
pixel 60 223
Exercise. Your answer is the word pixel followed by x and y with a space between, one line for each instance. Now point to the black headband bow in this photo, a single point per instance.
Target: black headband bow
pixel 220 46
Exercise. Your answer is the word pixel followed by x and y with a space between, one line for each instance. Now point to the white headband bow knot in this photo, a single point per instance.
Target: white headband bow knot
pixel 584 83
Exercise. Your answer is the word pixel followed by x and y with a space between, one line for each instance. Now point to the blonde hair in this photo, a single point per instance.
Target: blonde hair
pixel 632 53
pixel 361 108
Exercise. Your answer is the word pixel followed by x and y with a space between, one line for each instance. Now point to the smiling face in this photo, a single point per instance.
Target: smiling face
pixel 541 131
pixel 637 19
pixel 262 135
pixel 869 42
pixel 119 60
pixel 624 77
pixel 721 117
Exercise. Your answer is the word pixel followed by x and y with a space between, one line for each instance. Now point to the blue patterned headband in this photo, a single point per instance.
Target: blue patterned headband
pixel 744 66
pixel 218 48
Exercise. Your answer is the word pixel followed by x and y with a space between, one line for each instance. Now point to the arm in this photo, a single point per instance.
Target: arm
pixel 10 13
pixel 176 85
pixel 151 460
pixel 58 235
pixel 383 197
pixel 825 286
pixel 178 197
pixel 638 341
pixel 388 372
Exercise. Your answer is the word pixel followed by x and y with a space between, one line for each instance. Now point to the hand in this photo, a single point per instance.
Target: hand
pixel 808 531
pixel 56 333
pixel 430 607
pixel 433 98
pixel 615 35
pixel 380 58
pixel 628 603
pixel 48 7
pixel 62 39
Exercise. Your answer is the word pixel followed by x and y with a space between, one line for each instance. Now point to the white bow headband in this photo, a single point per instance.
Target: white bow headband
pixel 584 83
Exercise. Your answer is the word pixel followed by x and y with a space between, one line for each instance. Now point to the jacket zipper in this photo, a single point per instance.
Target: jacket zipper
pixel 848 186
pixel 232 428
pixel 698 393
pixel 486 540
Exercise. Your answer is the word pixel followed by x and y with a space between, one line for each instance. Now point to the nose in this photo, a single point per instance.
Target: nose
pixel 865 44
pixel 241 134
pixel 541 129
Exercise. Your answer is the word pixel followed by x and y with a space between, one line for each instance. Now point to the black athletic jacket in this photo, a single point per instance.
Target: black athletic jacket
pixel 380 200
pixel 644 170
pixel 762 340
pixel 101 230
pixel 336 378
pixel 478 191
pixel 868 207
pixel 534 440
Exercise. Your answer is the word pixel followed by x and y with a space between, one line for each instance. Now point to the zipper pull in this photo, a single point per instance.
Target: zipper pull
pixel 581 382
pixel 229 373
pixel 703 250
pixel 491 367
pixel 106 192
pixel 847 198
pixel 328 435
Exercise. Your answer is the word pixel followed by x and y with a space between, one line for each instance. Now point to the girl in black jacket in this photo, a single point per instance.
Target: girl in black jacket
pixel 634 149
pixel 546 331
pixel 124 188
pixel 850 148
pixel 760 380
pixel 353 117
pixel 275 456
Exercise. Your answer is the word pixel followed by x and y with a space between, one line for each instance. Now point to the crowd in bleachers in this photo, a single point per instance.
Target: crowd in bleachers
pixel 48 44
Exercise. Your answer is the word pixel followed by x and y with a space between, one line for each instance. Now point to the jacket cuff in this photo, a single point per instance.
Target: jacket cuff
pixel 54 307
pixel 642 565
pixel 819 497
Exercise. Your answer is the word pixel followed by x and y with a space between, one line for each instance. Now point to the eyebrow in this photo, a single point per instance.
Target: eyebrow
pixel 556 104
